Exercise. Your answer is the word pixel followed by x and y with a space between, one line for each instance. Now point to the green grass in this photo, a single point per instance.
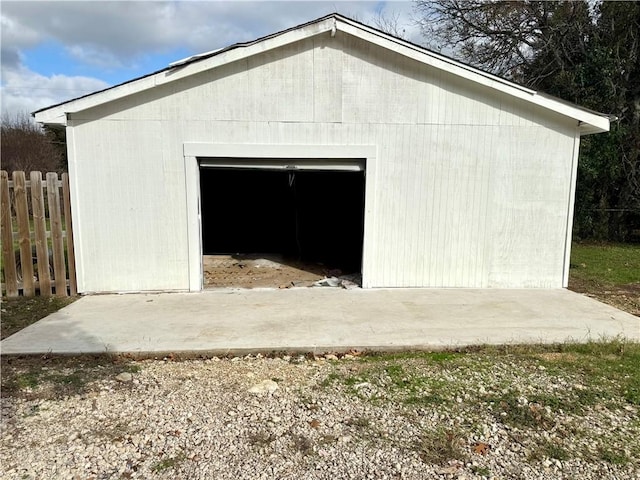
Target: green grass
pixel 393 375
pixel 166 463
pixel 553 450
pixel 609 370
pixel 28 380
pixel 605 264
pixel 481 471
pixel 48 378
pixel 510 411
pixel 438 447
pixel 549 449
pixel 434 357
pixel 613 457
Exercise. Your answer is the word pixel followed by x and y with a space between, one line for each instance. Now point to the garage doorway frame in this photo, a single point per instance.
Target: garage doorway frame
pixel 194 151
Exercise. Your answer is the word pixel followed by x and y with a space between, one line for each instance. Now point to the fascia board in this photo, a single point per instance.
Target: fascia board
pixel 588 121
pixel 59 118
pixel 588 129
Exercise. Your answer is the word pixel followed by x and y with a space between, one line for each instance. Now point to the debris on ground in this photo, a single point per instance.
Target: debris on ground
pixel 271 271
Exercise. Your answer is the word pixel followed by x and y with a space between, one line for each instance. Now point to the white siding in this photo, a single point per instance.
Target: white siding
pixel 472 188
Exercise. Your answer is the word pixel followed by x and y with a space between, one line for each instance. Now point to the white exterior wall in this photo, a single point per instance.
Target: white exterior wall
pixel 472 188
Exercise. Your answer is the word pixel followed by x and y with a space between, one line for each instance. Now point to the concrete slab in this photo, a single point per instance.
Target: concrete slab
pixel 319 320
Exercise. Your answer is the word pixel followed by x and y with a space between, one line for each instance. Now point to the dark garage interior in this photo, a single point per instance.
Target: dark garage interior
pixel 314 216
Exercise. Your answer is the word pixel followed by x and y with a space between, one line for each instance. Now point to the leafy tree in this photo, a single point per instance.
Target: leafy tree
pixel 583 52
pixel 26 146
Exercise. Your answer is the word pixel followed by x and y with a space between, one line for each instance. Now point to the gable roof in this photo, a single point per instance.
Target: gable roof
pixel 589 120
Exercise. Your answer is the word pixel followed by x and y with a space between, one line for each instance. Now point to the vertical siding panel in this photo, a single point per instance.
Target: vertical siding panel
pixel 400 153
pixel 372 178
pixel 434 162
pixel 473 238
pixel 436 231
pixel 465 206
pixel 402 167
pixel 450 190
pixel 463 203
pixel 327 81
pixel 435 99
pixel 292 69
pixel 487 159
pixel 393 222
pixel 412 206
pixel 445 205
pixel 456 191
pixel 384 171
pixel 406 243
pixel 425 218
pixel 419 212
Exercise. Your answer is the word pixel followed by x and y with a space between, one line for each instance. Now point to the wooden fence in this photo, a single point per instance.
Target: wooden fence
pixel 37 238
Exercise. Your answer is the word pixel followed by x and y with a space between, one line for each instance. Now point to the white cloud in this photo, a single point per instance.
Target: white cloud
pixel 25 91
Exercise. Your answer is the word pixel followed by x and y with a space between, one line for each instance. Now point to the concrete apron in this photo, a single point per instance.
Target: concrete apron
pixel 319 320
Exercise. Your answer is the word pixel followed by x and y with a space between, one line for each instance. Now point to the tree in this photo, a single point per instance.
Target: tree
pixel 609 80
pixel 583 52
pixel 505 37
pixel 27 146
pixel 389 22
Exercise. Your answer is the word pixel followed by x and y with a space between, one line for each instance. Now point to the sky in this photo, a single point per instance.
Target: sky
pixel 53 51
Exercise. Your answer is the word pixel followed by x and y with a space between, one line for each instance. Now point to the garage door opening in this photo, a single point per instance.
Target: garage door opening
pixel 281 225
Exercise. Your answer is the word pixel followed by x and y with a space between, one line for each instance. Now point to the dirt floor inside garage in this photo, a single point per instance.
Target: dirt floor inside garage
pixel 271 271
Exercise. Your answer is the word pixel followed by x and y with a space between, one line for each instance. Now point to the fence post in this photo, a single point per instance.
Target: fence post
pixel 55 219
pixel 40 227
pixel 24 236
pixel 71 254
pixel 8 258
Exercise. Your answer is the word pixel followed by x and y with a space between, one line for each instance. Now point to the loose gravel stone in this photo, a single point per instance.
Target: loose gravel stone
pixel 205 419
pixel 124 377
pixel 265 386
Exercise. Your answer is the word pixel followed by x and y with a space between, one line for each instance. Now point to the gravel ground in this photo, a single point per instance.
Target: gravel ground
pixel 429 416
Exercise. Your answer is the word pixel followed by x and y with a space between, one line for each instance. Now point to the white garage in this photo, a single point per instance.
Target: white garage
pixel 415 169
